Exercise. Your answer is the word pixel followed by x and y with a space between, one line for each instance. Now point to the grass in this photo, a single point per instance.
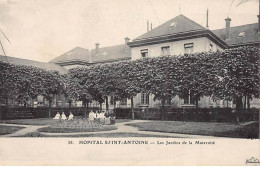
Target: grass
pixel 38 122
pixel 201 128
pixel 8 129
pixel 105 135
pixel 75 130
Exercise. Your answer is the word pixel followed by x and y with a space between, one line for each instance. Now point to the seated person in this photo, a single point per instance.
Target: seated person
pixel 63 116
pixel 102 114
pixel 57 116
pixel 97 117
pixel 91 116
pixel 71 116
pixel 102 117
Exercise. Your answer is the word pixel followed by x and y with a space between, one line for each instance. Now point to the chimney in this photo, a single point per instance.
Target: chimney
pixel 151 26
pixel 207 21
pixel 259 17
pixel 147 25
pixel 258 22
pixel 97 47
pixel 126 40
pixel 227 27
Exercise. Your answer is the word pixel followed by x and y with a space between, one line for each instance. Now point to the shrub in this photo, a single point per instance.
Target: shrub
pixel 193 114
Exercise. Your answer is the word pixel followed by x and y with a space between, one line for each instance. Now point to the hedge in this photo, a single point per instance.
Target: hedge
pixel 193 114
pixel 39 112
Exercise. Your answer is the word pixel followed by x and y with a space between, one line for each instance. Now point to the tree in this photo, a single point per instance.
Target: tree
pixel 164 79
pixel 51 85
pixel 126 81
pixel 77 87
pixel 239 75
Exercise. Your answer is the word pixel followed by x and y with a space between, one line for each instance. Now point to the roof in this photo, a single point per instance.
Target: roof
pixel 111 53
pixel 178 28
pixel 76 54
pixel 179 24
pixel 251 34
pixel 43 65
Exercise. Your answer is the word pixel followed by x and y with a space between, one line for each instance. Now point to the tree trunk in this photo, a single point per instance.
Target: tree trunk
pixel 87 109
pixel 107 106
pixel 69 106
pixel 248 102
pixel 162 109
pixel 84 104
pixel 6 102
pixel 227 103
pixel 197 103
pixel 132 108
pixel 244 102
pixel 49 108
pixel 100 107
pixel 239 107
pixel 114 102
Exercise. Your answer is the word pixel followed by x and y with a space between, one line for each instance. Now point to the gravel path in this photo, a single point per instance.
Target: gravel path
pixel 27 129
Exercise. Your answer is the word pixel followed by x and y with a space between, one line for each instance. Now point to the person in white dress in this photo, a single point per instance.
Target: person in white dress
pixel 91 116
pixel 63 116
pixel 71 116
pixel 102 117
pixel 57 116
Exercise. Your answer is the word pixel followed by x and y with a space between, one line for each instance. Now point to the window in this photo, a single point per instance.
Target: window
pixel 241 34
pixel 165 50
pixel 188 48
pixel 210 47
pixel 144 98
pixel 186 99
pixel 144 53
pixel 123 101
pixel 172 25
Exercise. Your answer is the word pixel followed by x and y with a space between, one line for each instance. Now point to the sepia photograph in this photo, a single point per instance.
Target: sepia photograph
pixel 120 82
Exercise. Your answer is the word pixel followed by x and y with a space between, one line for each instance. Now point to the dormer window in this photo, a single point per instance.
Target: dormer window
pixel 241 34
pixel 173 25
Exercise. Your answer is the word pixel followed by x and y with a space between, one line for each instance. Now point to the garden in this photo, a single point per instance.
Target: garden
pixel 229 75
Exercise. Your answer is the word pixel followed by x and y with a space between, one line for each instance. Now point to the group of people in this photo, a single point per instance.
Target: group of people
pixel 100 117
pixel 63 116
pixel 93 116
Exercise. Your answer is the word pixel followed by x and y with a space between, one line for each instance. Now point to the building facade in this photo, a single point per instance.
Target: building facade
pixel 177 36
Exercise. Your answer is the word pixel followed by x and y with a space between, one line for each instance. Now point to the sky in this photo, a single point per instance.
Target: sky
pixel 44 29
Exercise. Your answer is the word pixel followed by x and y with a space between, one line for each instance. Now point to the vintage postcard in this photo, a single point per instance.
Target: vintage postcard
pixel 129 83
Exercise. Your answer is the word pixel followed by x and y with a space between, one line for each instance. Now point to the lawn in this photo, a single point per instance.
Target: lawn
pixel 38 122
pixel 8 129
pixel 106 135
pixel 201 128
pixel 74 130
